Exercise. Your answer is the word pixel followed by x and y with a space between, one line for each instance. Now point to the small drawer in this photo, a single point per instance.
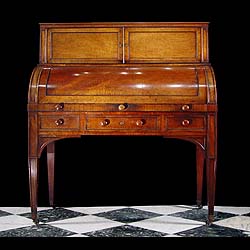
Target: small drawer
pixel 122 123
pixel 186 122
pixel 69 122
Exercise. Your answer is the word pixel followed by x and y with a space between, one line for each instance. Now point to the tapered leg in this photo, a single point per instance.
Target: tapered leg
pixel 211 180
pixel 211 161
pixel 51 171
pixel 33 182
pixel 200 156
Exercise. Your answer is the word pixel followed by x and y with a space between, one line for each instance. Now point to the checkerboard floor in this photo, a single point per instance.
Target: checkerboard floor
pixel 125 221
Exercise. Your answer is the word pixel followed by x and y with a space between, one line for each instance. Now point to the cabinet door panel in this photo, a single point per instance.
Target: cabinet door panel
pixel 82 45
pixel 163 45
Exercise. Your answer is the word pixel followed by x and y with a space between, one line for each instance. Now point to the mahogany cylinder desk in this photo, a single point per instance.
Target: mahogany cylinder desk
pixel 123 78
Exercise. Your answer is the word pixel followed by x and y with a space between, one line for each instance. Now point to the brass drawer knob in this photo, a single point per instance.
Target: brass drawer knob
pixel 105 122
pixel 122 123
pixel 59 106
pixel 185 122
pixel 185 107
pixel 140 122
pixel 59 122
pixel 122 106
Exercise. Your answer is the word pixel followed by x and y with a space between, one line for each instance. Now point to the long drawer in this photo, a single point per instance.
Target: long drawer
pixel 121 122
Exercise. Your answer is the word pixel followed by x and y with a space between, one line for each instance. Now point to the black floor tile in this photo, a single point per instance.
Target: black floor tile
pixel 128 215
pixel 42 230
pixel 125 231
pixel 213 231
pixel 55 214
pixel 201 215
pixel 3 213
pixel 248 214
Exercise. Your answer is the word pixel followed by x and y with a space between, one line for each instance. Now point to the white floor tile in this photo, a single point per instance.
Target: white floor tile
pixel 77 235
pixel 162 209
pixel 238 222
pixel 93 210
pixel 85 224
pixel 14 221
pixel 43 208
pixel 232 210
pixel 172 235
pixel 16 210
pixel 247 233
pixel 168 224
pixel 21 210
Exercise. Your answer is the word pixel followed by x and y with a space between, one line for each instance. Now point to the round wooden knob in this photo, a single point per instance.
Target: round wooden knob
pixel 185 122
pixel 122 106
pixel 105 122
pixel 59 122
pixel 185 107
pixel 59 106
pixel 140 122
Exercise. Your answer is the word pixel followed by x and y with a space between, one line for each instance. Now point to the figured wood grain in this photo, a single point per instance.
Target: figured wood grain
pixel 84 45
pixel 163 45
pixel 124 42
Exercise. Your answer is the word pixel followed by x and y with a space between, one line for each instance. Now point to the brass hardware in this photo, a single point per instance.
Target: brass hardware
pixel 59 122
pixel 59 106
pixel 185 107
pixel 185 122
pixel 140 122
pixel 121 123
pixel 122 106
pixel 105 122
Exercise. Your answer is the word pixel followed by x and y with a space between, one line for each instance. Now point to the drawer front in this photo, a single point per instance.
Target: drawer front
pixel 186 122
pixel 122 123
pixel 60 122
